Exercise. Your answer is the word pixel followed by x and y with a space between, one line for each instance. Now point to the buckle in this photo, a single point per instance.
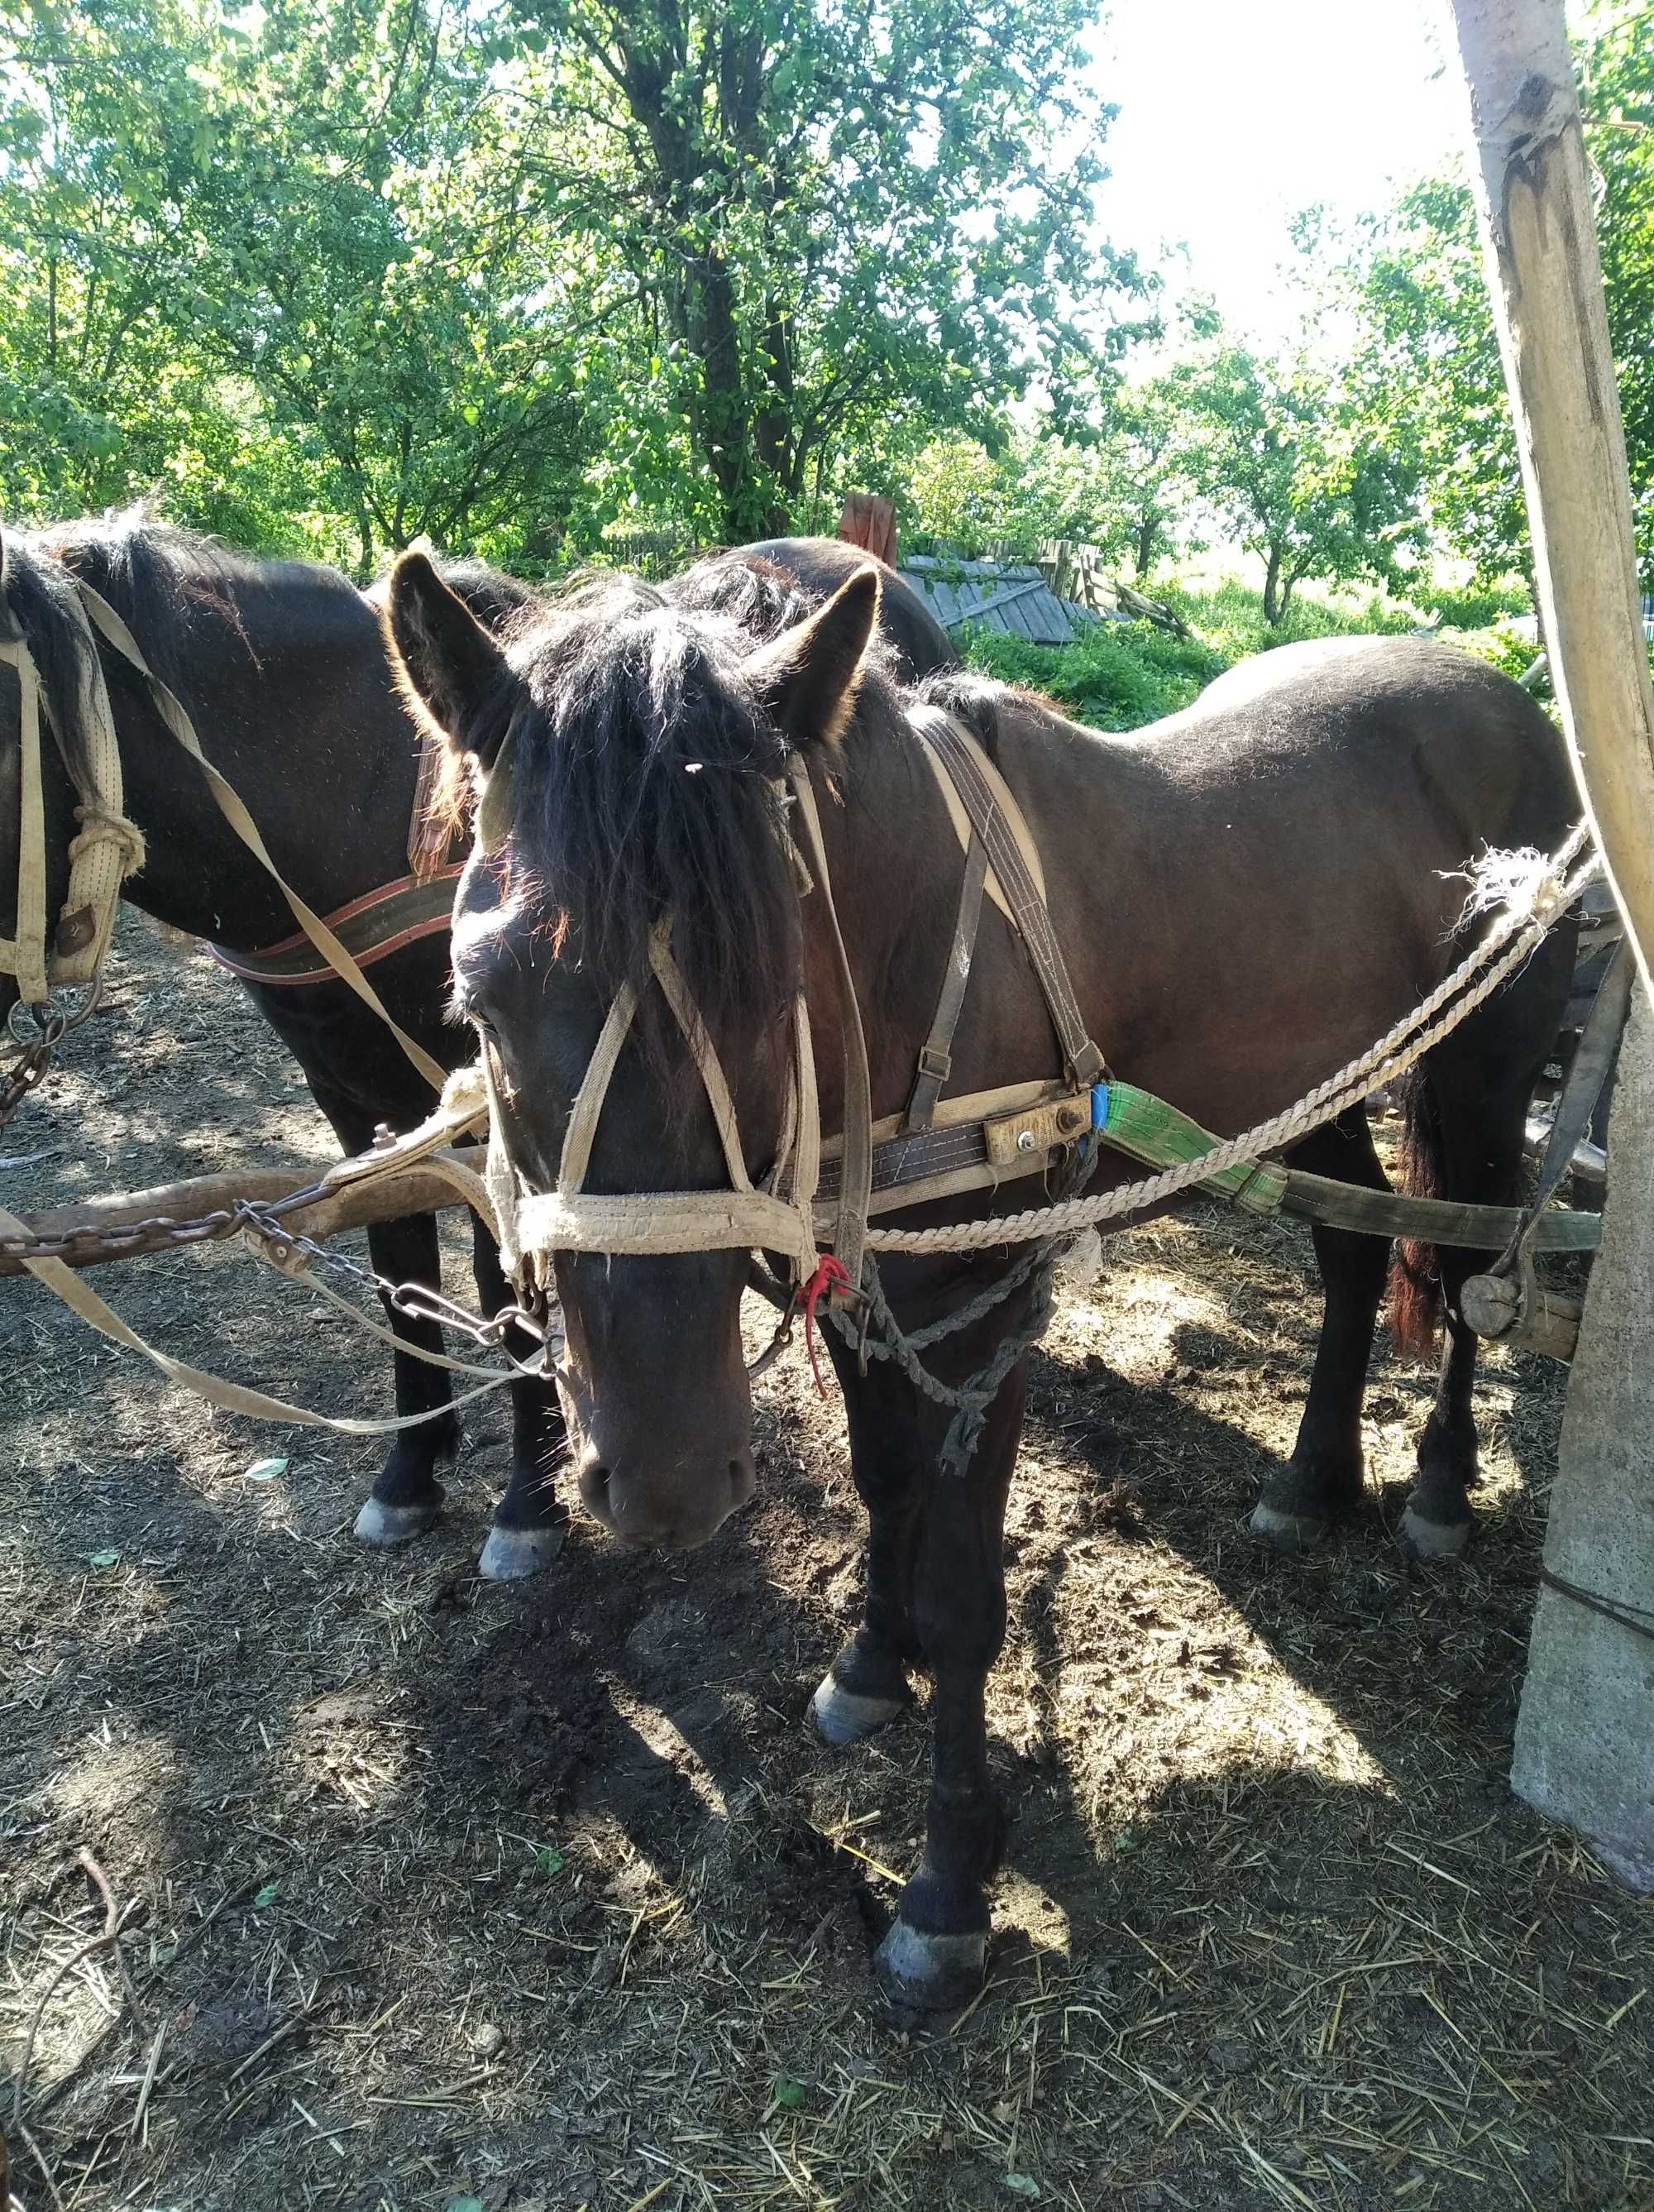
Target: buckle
pixel 935 1063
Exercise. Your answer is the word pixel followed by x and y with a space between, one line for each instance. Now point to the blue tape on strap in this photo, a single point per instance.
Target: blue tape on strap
pixel 1099 1105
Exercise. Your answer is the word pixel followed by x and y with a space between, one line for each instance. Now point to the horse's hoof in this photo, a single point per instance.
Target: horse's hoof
pixel 510 1555
pixel 930 1974
pixel 1434 1540
pixel 384 1527
pixel 846 1715
pixel 1288 1531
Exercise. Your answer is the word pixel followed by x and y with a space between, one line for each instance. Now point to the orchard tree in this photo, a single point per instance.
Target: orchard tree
pixel 843 224
pixel 1301 470
pixel 1411 282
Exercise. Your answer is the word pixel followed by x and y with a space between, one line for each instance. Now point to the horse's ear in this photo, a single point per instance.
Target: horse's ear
pixel 807 679
pixel 449 666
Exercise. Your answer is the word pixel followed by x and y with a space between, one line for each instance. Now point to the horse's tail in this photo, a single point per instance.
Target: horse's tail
pixel 1416 1294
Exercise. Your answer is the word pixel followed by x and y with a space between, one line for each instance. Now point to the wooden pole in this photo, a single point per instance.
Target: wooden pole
pixel 1534 198
pixel 1584 1745
pixel 352 1205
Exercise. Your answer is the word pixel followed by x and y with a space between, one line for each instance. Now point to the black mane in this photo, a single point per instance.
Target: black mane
pixel 644 772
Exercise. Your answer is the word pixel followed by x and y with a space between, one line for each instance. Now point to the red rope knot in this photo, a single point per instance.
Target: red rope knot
pixel 830 1274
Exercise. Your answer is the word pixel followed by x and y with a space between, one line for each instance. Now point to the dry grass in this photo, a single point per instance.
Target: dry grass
pixel 441 1893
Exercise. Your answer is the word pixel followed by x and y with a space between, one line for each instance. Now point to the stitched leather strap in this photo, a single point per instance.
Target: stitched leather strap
pixel 988 809
pixel 935 1058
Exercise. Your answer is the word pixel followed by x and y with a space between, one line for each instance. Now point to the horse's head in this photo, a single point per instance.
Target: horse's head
pixel 629 753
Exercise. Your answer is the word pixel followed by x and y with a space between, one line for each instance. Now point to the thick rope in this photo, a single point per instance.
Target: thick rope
pixel 1459 993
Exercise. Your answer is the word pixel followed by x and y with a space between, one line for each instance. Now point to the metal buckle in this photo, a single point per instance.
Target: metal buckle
pixel 935 1063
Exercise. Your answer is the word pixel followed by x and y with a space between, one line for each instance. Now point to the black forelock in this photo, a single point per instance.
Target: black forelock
pixel 644 773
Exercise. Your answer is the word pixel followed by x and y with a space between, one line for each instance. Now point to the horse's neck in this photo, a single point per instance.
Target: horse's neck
pixel 295 709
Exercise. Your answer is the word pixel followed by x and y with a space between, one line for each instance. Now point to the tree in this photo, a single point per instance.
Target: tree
pixel 1410 281
pixel 1301 470
pixel 297 248
pixel 841 223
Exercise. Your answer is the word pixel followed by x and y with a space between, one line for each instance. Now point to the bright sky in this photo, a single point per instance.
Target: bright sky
pixel 1236 113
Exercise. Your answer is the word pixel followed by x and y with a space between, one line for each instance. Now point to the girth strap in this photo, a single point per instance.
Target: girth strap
pixel 996 820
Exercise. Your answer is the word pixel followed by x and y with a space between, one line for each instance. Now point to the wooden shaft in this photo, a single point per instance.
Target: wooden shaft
pixel 353 1205
pixel 1533 195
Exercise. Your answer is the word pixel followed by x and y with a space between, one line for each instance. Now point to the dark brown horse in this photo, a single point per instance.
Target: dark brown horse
pixel 1247 895
pixel 283 668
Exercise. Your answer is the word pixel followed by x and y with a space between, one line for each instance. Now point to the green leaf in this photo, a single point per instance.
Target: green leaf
pixel 266 1896
pixel 550 1860
pixel 1023 2183
pixel 465 2204
pixel 265 1470
pixel 103 1559
pixel 787 2093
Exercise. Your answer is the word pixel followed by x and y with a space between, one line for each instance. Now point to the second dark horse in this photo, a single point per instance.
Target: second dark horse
pixel 283 668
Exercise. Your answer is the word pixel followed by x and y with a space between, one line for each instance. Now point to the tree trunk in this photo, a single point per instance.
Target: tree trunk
pixel 1272 604
pixel 1148 531
pixel 1585 1748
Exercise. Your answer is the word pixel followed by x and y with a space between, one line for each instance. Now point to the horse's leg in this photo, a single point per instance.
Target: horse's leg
pixel 1322 1478
pixel 935 1952
pixel 531 1521
pixel 407 1497
pixel 1480 1108
pixel 867 1684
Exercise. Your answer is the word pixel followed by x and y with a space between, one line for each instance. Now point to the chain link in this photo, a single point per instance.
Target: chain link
pixel 28 1070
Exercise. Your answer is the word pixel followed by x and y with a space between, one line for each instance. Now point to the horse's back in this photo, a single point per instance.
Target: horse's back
pixel 1380 709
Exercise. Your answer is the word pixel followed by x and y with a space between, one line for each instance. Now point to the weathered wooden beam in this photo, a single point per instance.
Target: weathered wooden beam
pixel 1584 1741
pixel 1534 196
pixel 409 1190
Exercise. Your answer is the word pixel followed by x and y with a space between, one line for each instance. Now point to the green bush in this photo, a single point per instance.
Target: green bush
pixel 1115 675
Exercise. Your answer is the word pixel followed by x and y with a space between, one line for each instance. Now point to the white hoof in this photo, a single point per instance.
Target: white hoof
pixel 1434 1540
pixel 845 1717
pixel 1288 1531
pixel 384 1527
pixel 932 1973
pixel 510 1555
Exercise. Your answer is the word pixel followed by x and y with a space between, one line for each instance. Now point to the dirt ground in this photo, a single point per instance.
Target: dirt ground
pixel 441 1893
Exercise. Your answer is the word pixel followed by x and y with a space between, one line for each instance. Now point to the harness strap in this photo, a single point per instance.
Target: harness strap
pixel 936 1055
pixel 104 850
pixel 234 812
pixel 25 955
pixel 997 820
pixel 372 927
pixel 582 1130
pixel 855 1186
pixel 234 1397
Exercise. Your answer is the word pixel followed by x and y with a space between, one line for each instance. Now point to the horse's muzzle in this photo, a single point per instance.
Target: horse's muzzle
pixel 678 1507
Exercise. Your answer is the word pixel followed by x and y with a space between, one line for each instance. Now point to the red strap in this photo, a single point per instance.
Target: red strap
pixel 830 1274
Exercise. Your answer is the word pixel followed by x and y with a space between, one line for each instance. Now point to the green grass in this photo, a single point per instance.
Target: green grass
pixel 1117 675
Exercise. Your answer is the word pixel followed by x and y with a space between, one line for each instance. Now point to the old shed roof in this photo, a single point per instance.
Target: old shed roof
pixel 1001 595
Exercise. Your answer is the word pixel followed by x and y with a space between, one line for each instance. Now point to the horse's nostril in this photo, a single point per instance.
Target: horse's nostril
pixel 743 1477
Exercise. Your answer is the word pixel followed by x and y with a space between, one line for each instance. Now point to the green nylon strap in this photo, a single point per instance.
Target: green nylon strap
pixel 1147 1129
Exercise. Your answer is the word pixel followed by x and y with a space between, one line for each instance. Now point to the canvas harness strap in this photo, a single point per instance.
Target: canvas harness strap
pixel 104 850
pixel 108 848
